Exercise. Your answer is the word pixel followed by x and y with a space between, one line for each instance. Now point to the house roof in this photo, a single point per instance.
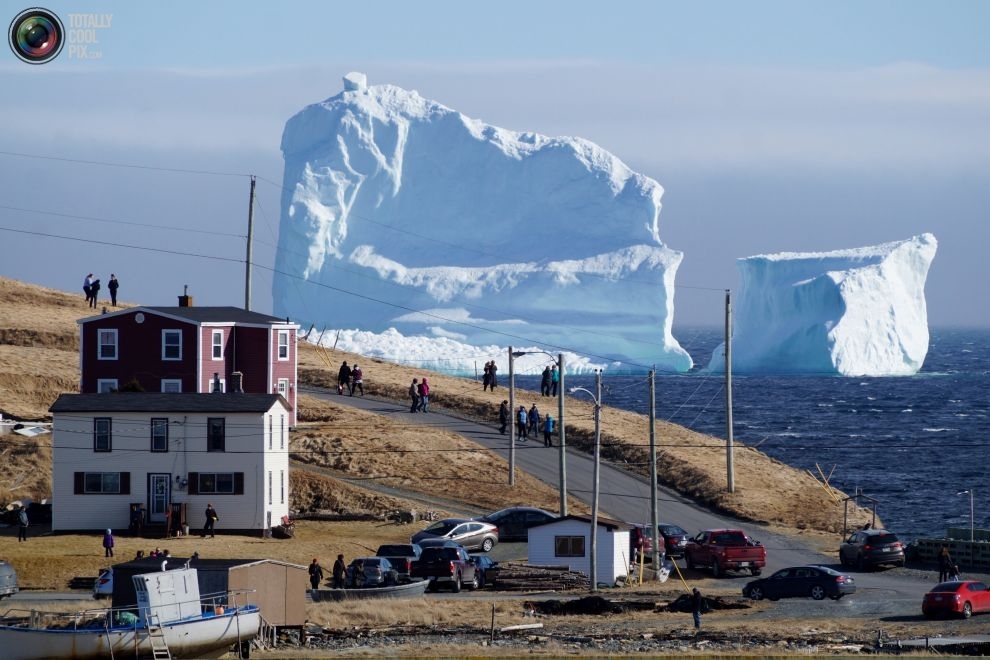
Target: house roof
pixel 201 315
pixel 193 402
pixel 602 522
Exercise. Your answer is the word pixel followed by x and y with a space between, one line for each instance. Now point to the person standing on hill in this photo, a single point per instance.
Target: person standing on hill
pixel 945 564
pixel 545 382
pixel 22 525
pixel 343 378
pixel 494 370
pixel 113 285
pixel 486 380
pixel 554 380
pixel 424 395
pixel 339 570
pixel 414 395
pixel 211 520
pixel 108 544
pixel 94 293
pixel 315 574
pixel 88 287
pixel 503 416
pixel 697 605
pixel 357 380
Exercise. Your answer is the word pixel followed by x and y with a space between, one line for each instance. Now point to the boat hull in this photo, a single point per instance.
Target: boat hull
pixel 201 637
pixel 410 589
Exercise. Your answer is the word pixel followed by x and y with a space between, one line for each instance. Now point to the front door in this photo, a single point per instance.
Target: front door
pixel 159 495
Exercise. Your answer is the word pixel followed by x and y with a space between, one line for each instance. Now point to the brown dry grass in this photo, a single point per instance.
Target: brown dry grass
pixel 39 360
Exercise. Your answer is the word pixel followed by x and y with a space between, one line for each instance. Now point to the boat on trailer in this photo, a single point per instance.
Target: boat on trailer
pixel 170 621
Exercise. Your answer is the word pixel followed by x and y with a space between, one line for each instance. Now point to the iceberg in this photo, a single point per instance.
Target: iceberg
pixel 401 214
pixel 856 312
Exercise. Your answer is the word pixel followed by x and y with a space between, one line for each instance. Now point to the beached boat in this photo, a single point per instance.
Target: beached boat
pixel 170 620
pixel 406 590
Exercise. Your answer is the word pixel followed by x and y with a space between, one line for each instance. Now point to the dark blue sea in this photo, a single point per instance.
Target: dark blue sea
pixel 912 443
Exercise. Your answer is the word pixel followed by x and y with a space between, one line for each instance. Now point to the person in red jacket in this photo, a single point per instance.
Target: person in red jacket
pixel 424 395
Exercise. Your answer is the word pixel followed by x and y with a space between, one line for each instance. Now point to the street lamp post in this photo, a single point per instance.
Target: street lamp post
pixel 971 518
pixel 593 564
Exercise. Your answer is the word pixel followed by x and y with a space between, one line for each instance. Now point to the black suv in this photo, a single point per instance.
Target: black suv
pixel 674 538
pixel 868 548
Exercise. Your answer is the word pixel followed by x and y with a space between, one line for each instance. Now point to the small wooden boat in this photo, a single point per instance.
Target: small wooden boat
pixel 404 590
pixel 170 620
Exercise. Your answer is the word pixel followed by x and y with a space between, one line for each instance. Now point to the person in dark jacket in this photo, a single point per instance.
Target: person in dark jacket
pixel 339 571
pixel 343 378
pixel 315 574
pixel 503 416
pixel 357 380
pixel 534 420
pixel 945 564
pixel 545 382
pixel 22 524
pixel 108 544
pixel 414 395
pixel 211 520
pixel 697 605
pixel 113 285
pixel 94 292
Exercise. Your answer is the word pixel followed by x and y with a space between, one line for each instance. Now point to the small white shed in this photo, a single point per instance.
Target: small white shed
pixel 567 542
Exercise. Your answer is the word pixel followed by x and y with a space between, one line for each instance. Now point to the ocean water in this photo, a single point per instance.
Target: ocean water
pixel 911 443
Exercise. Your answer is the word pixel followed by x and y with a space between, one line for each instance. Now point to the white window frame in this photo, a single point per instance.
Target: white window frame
pixel 157 425
pixel 106 385
pixel 109 334
pixel 283 345
pixel 217 345
pixel 282 387
pixel 166 334
pixel 172 385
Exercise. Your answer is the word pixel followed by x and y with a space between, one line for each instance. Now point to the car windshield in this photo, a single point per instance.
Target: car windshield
pixel 393 550
pixel 442 527
pixel 672 530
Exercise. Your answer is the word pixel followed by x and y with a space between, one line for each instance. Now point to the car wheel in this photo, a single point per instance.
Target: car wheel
pixel 755 570
pixel 756 593
pixel 487 544
pixel 432 586
pixel 474 582
pixel 818 592
pixel 967 610
pixel 717 570
pixel 456 584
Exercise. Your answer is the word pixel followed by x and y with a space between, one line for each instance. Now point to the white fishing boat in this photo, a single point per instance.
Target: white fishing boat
pixel 170 621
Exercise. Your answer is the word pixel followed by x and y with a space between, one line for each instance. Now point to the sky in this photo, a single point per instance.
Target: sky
pixel 772 126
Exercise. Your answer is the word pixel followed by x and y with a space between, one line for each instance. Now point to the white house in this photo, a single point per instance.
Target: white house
pixel 566 541
pixel 170 454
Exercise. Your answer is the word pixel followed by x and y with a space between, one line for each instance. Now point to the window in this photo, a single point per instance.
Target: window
pixel 218 344
pixel 159 434
pixel 568 546
pixel 102 438
pixel 283 344
pixel 102 483
pixel 108 344
pixel 171 344
pixel 173 385
pixel 216 483
pixel 106 385
pixel 216 434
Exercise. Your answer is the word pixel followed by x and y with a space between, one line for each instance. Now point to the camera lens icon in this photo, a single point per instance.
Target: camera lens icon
pixel 36 36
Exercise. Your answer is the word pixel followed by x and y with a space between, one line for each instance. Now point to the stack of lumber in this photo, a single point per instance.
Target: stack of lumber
pixel 527 577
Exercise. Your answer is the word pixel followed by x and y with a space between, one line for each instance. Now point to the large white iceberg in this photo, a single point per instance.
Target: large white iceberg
pixel 399 212
pixel 858 312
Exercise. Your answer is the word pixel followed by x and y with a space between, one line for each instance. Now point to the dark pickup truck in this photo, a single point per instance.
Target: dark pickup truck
pixel 725 550
pixel 401 556
pixel 446 565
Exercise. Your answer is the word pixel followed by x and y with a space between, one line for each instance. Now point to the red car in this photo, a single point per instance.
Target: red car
pixel 963 598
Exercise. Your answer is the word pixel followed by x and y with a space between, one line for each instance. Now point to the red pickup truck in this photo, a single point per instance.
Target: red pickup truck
pixel 446 565
pixel 725 550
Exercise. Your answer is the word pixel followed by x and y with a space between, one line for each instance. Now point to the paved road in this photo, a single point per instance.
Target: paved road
pixel 626 496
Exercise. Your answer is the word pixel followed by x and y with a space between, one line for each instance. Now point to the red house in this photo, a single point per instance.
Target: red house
pixel 189 349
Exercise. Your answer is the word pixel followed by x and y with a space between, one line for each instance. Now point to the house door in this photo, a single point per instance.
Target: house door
pixel 159 495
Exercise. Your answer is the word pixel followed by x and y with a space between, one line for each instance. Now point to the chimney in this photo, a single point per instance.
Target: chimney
pixel 185 300
pixel 236 380
pixel 216 383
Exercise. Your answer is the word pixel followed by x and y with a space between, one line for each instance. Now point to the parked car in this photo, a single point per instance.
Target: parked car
pixel 450 566
pixel 816 582
pixel 487 570
pixel 868 548
pixel 725 550
pixel 8 579
pixel 103 587
pixel 641 539
pixel 514 522
pixel 378 572
pixel 472 534
pixel 401 555
pixel 964 598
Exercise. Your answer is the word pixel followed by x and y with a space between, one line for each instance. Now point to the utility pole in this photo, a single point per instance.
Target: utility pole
pixel 730 470
pixel 512 421
pixel 654 502
pixel 595 486
pixel 561 443
pixel 250 241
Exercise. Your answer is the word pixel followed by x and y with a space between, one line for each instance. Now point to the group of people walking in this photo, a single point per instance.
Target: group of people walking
pixel 490 378
pixel 339 572
pixel 527 421
pixel 419 395
pixel 91 287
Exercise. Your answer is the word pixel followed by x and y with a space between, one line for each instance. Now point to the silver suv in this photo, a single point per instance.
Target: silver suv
pixel 8 579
